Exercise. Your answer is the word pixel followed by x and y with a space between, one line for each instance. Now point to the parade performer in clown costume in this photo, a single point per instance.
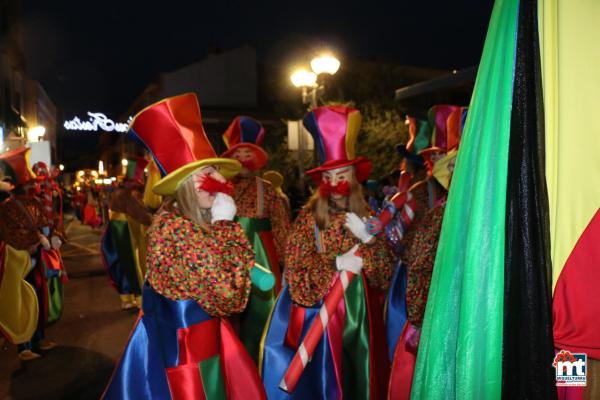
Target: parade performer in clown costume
pixel 25 227
pixel 19 308
pixel 263 215
pixel 418 245
pixel 199 271
pixel 328 245
pixel 49 194
pixel 123 242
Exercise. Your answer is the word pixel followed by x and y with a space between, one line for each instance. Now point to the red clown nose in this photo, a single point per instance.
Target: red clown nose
pixel 212 185
pixel 250 164
pixel 342 188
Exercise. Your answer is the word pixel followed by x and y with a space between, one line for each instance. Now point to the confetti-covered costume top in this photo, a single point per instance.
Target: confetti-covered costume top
pixel 310 273
pixel 419 257
pixel 211 267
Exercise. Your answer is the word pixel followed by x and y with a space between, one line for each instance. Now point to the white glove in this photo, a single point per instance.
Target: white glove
pixel 55 242
pixel 44 242
pixel 358 227
pixel 223 208
pixel 349 261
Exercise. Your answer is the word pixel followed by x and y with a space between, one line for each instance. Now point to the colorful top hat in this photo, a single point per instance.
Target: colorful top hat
pixel 419 133
pixel 172 132
pixel 447 122
pixel 335 130
pixel 135 169
pixel 15 164
pixel 245 132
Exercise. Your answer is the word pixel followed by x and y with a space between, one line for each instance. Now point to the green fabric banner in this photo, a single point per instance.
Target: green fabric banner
pixel 460 352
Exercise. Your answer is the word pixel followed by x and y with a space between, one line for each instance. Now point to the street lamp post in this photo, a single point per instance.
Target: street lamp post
pixel 308 81
pixel 312 89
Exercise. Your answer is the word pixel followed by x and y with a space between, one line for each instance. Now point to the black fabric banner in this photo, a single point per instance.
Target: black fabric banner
pixel 528 352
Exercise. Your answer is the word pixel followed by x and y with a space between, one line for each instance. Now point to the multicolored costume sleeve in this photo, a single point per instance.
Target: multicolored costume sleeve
pixel 419 259
pixel 350 359
pixel 179 347
pixel 280 220
pixel 216 274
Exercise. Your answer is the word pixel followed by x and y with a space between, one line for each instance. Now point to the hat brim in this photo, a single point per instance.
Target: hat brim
pixel 431 150
pixel 363 168
pixel 274 177
pixel 261 155
pixel 168 185
pixel 401 149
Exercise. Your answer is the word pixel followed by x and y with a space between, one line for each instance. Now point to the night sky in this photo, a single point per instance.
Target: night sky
pixel 100 55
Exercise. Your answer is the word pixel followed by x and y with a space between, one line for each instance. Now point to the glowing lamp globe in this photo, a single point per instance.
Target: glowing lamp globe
pixel 304 78
pixel 325 64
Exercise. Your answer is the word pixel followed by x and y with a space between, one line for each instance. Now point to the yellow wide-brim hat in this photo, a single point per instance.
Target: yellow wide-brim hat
pixel 170 183
pixel 172 132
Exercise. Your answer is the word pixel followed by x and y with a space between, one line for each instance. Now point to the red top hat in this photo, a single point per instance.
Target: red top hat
pixel 335 130
pixel 172 132
pixel 17 161
pixel 245 132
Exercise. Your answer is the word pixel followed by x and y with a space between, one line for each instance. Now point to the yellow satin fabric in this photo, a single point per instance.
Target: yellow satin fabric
pixel 137 233
pixel 569 37
pixel 151 199
pixel 18 303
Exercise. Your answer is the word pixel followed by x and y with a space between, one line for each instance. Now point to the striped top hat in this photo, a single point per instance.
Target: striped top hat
pixel 245 132
pixel 135 169
pixel 419 134
pixel 335 130
pixel 172 132
pixel 447 122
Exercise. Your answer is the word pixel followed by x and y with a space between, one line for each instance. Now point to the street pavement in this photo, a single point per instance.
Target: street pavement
pixel 91 333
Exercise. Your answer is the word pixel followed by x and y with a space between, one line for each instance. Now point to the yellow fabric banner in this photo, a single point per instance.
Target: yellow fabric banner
pixel 570 49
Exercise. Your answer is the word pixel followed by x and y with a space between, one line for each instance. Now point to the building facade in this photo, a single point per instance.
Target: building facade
pixel 24 104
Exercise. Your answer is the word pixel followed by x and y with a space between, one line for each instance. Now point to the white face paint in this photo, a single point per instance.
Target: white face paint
pixel 335 176
pixel 244 154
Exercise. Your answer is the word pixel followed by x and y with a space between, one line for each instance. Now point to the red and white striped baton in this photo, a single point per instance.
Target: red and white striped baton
pixel 315 332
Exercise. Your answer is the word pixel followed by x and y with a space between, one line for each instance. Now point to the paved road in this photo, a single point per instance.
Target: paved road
pixel 91 333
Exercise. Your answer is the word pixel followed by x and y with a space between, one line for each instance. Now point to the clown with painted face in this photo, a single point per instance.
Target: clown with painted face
pixel 28 238
pixel 263 215
pixel 199 270
pixel 330 236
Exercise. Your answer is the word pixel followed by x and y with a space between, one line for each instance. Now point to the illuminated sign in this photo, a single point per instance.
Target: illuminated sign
pixel 96 122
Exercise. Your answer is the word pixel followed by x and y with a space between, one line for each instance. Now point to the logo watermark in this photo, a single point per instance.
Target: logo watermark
pixel 571 368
